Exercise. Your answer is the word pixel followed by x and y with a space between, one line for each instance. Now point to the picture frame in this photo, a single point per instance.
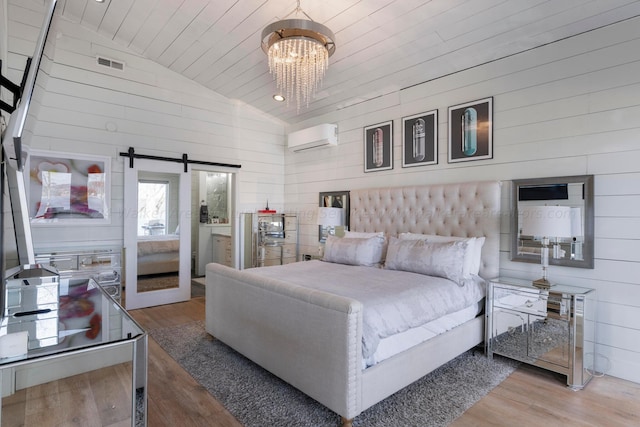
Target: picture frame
pixel 68 189
pixel 471 131
pixel 378 147
pixel 420 139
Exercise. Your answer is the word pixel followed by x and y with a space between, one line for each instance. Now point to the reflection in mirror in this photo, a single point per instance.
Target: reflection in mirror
pixel 574 192
pixel 216 198
pixel 158 231
pixel 334 199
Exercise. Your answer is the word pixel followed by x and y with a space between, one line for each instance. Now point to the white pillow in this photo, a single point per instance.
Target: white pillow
pixel 355 251
pixel 473 256
pixel 443 259
pixel 362 235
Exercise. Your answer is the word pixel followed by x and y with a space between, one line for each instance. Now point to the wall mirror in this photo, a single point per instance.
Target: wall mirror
pixel 575 192
pixel 333 199
pixel 217 185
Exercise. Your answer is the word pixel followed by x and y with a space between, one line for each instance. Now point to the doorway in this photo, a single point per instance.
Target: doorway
pixel 213 231
pixel 157 198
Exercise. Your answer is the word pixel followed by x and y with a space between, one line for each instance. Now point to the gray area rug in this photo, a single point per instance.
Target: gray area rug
pixel 257 398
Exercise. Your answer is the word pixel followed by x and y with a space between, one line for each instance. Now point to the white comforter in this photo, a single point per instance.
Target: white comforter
pixel 393 301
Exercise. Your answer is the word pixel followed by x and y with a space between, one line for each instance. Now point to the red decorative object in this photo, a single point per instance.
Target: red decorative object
pixel 267 210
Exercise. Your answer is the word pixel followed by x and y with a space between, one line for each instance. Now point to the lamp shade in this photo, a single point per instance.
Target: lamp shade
pixel 576 222
pixel 331 217
pixel 546 221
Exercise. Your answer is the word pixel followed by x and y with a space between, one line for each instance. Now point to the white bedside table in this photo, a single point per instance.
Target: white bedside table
pixel 553 329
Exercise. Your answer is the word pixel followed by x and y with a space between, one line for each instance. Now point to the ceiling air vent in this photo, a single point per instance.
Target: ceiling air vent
pixel 106 62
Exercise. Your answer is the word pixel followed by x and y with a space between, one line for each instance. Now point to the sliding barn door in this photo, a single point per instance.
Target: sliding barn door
pixel 158 255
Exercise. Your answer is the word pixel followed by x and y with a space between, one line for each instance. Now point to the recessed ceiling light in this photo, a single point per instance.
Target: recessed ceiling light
pixel 99 1
pixel 278 98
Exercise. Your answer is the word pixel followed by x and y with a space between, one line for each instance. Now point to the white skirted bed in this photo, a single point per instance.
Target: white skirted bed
pixel 158 254
pixel 393 300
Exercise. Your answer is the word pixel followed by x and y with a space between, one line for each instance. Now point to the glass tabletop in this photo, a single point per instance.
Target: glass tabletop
pixel 555 288
pixel 53 318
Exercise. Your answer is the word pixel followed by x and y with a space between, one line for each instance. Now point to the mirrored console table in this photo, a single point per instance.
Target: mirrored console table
pixel 103 265
pixel 277 239
pixel 71 331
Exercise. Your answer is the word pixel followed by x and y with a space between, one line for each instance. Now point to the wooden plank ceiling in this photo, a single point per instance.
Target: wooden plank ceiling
pixel 382 45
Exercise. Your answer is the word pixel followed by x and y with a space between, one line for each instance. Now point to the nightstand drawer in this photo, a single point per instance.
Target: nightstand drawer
pixel 528 302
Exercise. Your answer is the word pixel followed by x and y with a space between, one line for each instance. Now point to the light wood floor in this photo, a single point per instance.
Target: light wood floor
pixel 174 398
pixel 529 397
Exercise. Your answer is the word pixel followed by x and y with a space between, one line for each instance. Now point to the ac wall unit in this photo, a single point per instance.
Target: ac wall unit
pixel 317 136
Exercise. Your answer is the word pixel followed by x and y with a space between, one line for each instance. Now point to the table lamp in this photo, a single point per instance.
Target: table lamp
pixel 576 233
pixel 329 219
pixel 545 222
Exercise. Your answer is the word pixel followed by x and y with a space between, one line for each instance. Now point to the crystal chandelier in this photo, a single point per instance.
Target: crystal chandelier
pixel 298 52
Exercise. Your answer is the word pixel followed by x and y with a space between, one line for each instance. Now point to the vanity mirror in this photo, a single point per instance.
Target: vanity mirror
pixel 333 199
pixel 575 192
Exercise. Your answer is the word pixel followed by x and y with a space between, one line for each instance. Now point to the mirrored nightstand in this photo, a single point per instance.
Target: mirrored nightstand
pixel 553 329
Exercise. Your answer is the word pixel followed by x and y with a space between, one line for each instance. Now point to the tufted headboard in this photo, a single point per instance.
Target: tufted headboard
pixel 469 209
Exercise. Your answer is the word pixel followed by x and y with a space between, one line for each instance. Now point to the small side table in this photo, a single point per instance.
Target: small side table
pixel 551 328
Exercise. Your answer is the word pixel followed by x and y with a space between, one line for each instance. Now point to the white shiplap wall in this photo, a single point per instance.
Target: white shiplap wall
pixel 569 108
pixel 564 109
pixel 95 110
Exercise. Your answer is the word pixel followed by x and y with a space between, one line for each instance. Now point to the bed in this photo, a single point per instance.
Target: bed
pixel 320 341
pixel 158 254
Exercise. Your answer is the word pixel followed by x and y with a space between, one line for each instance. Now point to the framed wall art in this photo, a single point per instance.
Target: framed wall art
pixel 420 139
pixel 65 189
pixel 378 147
pixel 471 131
